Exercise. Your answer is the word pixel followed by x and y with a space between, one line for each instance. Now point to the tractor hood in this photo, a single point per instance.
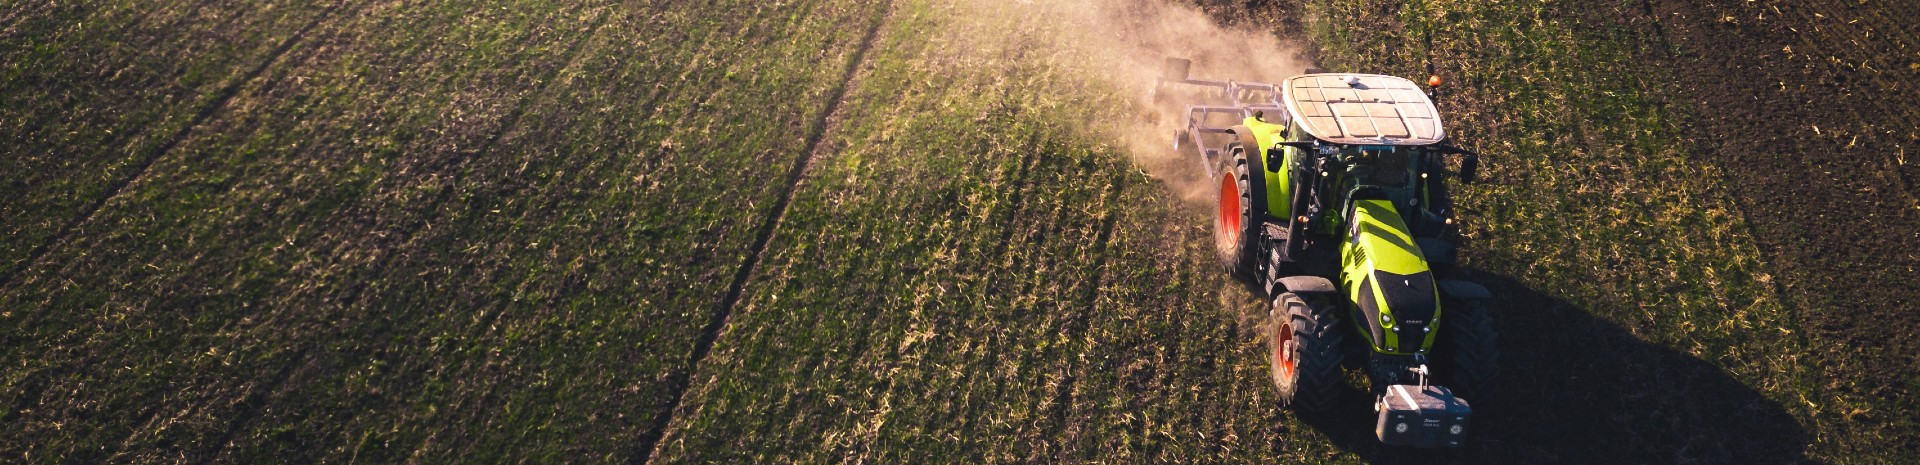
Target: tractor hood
pixel 1363 109
pixel 1386 277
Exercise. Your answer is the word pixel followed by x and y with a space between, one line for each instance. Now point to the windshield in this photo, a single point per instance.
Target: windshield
pixel 1385 166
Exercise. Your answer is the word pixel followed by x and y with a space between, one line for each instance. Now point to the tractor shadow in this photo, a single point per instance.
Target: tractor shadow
pixel 1577 389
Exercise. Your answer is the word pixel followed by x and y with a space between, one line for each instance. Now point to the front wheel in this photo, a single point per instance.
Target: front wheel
pixel 1469 352
pixel 1304 349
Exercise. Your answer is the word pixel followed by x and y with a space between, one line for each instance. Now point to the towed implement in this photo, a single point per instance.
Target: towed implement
pixel 1332 197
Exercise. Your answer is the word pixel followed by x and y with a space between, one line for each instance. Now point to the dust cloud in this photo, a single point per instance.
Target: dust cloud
pixel 1124 45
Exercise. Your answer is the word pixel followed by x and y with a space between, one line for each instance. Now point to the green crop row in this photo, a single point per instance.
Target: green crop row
pixel 90 91
pixel 166 295
pixel 972 277
pixel 436 230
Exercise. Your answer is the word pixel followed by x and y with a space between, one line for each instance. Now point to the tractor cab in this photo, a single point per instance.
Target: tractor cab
pixel 1377 131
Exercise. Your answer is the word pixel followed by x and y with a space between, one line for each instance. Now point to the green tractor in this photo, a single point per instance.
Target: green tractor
pixel 1333 199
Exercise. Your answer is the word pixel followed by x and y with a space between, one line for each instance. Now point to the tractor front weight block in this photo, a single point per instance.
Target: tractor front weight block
pixel 1418 416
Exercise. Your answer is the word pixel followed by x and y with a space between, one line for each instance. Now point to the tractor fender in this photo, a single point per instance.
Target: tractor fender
pixel 1463 290
pixel 1270 187
pixel 1256 170
pixel 1250 144
pixel 1308 285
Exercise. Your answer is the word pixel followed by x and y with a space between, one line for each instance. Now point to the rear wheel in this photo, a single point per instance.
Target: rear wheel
pixel 1236 217
pixel 1469 352
pixel 1304 351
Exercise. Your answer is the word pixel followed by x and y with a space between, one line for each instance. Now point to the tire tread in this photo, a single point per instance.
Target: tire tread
pixel 1320 339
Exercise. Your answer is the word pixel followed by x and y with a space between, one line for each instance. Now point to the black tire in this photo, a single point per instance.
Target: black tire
pixel 1308 334
pixel 1236 218
pixel 1469 351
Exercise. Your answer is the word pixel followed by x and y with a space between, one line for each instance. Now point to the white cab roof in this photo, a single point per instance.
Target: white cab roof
pixel 1367 109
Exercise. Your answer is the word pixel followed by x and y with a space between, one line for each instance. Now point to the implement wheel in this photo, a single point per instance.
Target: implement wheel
pixel 1235 219
pixel 1304 348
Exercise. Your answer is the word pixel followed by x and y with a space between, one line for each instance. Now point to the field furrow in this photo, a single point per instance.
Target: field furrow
pixel 830 118
pixel 946 249
pixel 316 137
pixel 607 278
pixel 94 92
pixel 477 140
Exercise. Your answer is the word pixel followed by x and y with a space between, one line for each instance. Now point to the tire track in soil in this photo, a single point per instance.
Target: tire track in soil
pixel 146 161
pixel 299 60
pixel 829 120
pixel 251 406
pixel 451 165
pixel 8 277
pixel 148 45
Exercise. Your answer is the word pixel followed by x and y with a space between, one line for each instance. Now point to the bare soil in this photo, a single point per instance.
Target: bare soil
pixel 1811 110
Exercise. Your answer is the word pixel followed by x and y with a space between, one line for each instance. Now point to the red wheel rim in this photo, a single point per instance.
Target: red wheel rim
pixel 1283 350
pixel 1229 231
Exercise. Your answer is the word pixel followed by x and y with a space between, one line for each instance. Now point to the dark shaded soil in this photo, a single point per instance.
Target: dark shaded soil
pixel 1810 109
pixel 1580 389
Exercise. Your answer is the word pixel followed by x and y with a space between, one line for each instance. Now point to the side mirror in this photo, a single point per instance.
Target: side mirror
pixel 1469 166
pixel 1275 157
